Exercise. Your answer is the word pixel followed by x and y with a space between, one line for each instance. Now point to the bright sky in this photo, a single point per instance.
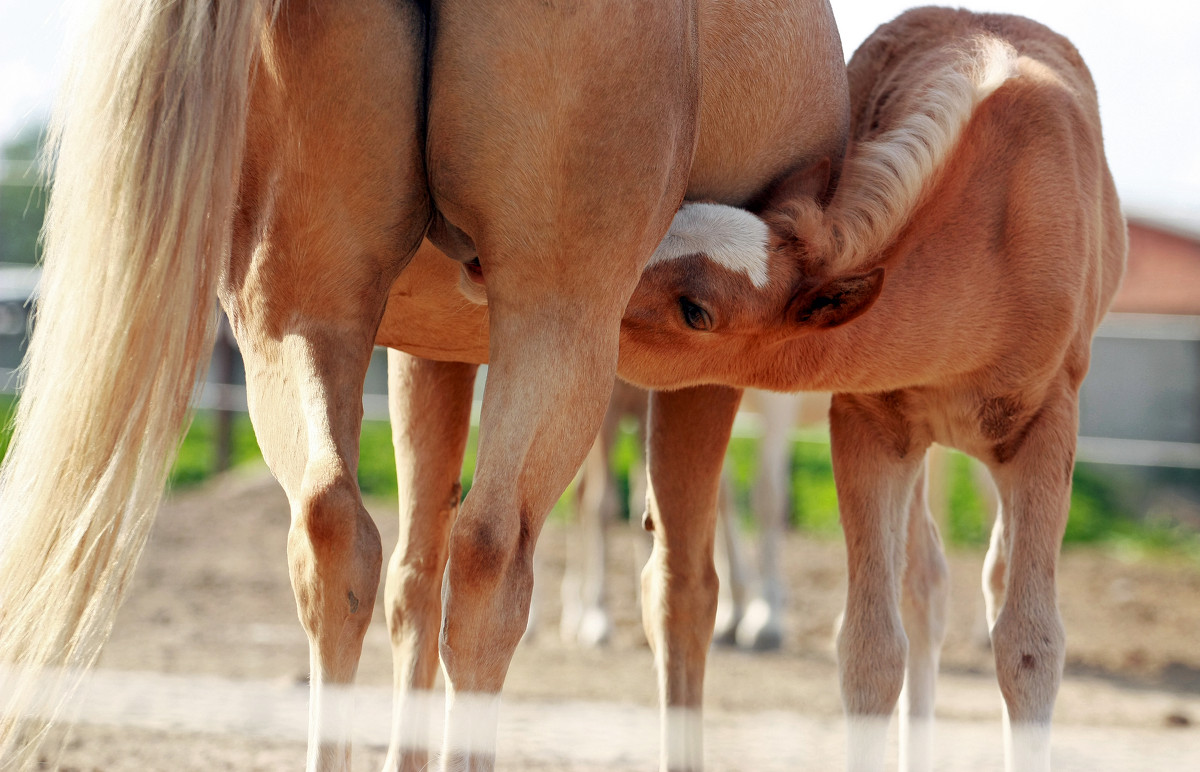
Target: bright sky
pixel 1144 56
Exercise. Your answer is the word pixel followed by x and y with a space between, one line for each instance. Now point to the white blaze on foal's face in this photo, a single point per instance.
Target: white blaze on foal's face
pixel 730 237
pixel 709 284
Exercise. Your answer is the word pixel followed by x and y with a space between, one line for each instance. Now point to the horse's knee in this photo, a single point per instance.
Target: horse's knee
pixel 681 593
pixel 491 563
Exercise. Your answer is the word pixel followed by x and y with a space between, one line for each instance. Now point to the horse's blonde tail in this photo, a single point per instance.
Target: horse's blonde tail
pixel 146 142
pixel 885 179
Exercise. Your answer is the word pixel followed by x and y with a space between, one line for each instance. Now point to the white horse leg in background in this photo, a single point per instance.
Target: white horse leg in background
pixel 586 620
pixel 761 626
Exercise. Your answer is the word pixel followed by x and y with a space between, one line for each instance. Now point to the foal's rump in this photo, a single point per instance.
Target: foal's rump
pixel 1020 224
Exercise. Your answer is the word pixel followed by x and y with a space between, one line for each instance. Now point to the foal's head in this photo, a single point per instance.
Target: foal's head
pixel 726 290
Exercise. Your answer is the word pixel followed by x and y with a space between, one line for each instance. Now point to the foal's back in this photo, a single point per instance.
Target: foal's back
pixel 1004 272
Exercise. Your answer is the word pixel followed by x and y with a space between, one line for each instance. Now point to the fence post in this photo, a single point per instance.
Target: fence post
pixel 222 374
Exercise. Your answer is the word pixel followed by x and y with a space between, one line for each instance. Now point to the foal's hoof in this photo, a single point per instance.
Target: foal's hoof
pixel 759 629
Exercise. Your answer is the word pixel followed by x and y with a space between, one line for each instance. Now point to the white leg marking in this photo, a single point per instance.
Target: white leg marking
pixel 1026 747
pixel 683 739
pixel 471 722
pixel 866 742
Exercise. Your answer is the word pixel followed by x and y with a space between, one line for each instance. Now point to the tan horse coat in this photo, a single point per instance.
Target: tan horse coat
pixel 288 158
pixel 947 292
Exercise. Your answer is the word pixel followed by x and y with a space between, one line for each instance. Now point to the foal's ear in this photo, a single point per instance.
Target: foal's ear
pixel 836 301
pixel 812 181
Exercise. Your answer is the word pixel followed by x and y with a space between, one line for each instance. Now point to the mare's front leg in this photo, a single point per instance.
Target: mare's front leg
pixel 876 463
pixel 688 434
pixel 333 203
pixel 430 405
pixel 1032 469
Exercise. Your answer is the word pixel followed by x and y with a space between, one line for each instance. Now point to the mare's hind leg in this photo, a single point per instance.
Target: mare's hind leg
pixel 333 202
pixel 923 608
pixel 689 431
pixel 305 395
pixel 565 178
pixel 1033 470
pixel 876 462
pixel 431 415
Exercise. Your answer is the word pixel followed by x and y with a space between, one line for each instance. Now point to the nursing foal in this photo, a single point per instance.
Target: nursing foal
pixel 977 220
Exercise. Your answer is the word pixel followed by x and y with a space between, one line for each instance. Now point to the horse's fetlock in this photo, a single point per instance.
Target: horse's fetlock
pixel 872 656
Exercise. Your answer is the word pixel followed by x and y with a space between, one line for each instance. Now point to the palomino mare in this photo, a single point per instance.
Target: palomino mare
pixel 771 96
pixel 288 158
pixel 977 219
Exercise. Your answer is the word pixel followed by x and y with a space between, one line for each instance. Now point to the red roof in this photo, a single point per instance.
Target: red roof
pixel 1163 272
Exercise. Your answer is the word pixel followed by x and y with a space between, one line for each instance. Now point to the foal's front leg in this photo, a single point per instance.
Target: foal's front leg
pixel 430 405
pixel 689 431
pixel 876 462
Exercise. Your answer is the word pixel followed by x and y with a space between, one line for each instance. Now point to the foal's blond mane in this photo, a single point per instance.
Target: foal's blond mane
pixel 885 179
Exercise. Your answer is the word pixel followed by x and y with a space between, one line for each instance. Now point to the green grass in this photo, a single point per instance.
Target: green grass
pixel 1098 512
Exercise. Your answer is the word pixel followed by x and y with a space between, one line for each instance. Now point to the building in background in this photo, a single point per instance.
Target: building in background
pixel 1140 405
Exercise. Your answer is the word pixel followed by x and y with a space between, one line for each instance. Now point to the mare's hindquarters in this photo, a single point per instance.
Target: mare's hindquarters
pixel 333 205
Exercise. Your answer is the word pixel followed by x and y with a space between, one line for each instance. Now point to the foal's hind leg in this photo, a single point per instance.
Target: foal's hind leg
pixel 923 608
pixel 1033 476
pixel 565 178
pixel 689 431
pixel 876 461
pixel 431 414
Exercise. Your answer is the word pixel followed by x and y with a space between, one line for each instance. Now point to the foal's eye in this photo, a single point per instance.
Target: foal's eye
pixel 695 316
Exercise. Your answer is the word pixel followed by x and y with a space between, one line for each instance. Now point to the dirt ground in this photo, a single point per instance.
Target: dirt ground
pixel 211 619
